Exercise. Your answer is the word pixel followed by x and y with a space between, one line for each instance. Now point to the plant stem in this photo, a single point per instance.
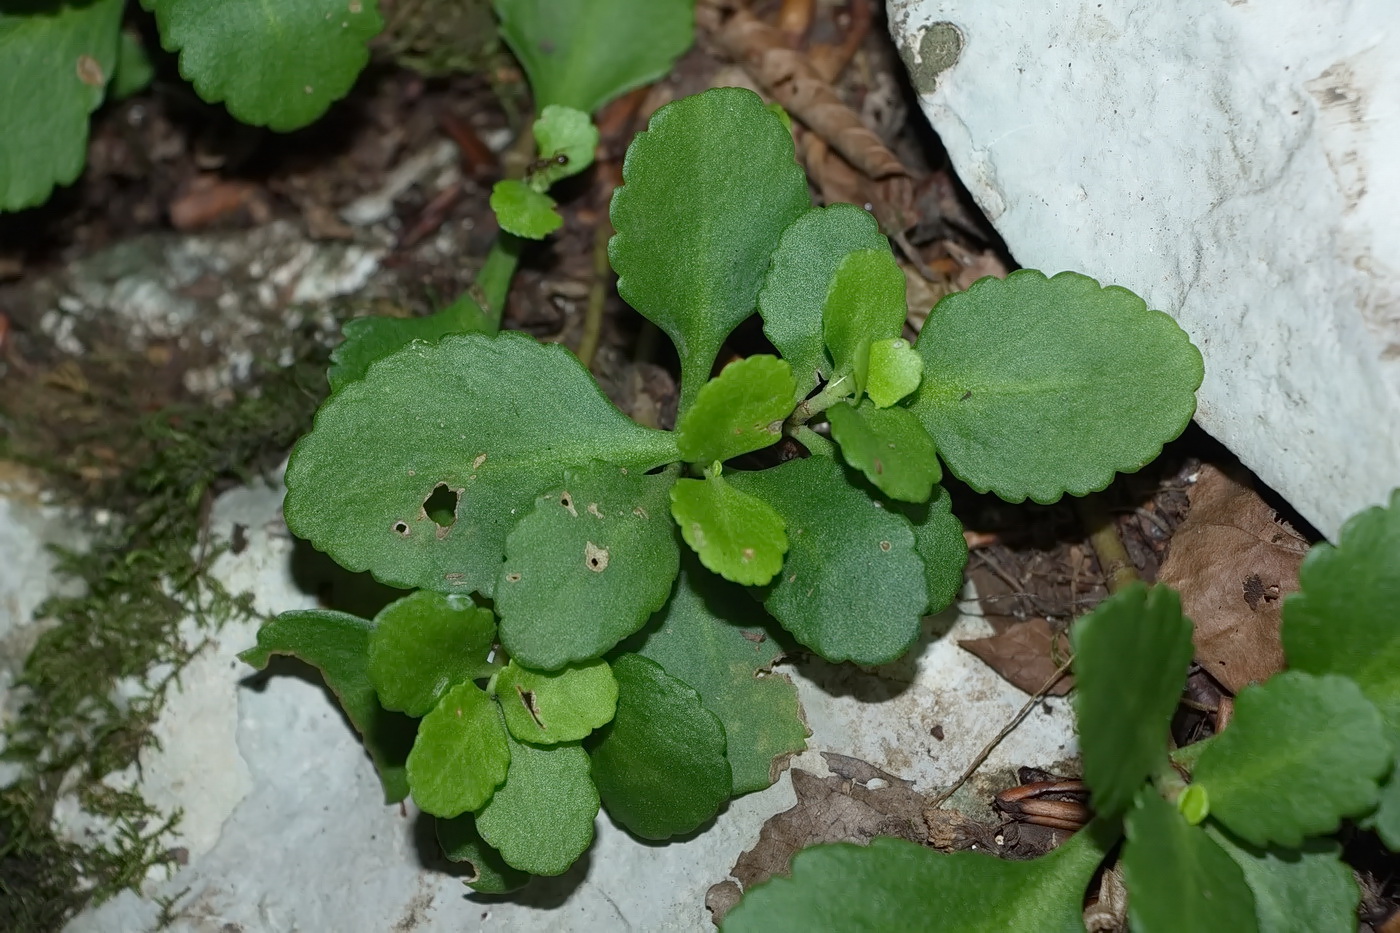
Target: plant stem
pixel 1117 566
pixel 835 391
pixel 492 283
pixel 597 294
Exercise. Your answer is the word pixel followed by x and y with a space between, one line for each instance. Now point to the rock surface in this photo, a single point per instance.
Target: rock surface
pixel 1230 162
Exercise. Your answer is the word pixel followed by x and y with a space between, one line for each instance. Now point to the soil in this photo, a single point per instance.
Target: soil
pixel 164 162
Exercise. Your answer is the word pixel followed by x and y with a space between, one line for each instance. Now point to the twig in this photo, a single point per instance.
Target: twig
pixel 1117 566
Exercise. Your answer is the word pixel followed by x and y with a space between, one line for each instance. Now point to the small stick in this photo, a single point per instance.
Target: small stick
pixel 1117 566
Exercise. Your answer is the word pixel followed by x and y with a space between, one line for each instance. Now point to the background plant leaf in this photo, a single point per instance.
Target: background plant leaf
pixel 371 338
pixel 1302 752
pixel 939 542
pixel 337 645
pixel 275 65
pixel 893 884
pixel 524 211
pixel 852 587
pixel 548 707
pixel 865 303
pixel 659 765
pixel 541 818
pixel 582 55
pixel 896 369
pixel 460 756
pixel 888 445
pixel 736 535
pixel 497 419
pixel 567 134
pixel 1386 819
pixel 1296 890
pixel 708 189
pixel 55 66
pixel 797 282
pixel 587 566
pixel 714 637
pixel 462 843
pixel 1178 878
pixel 133 71
pixel 425 644
pixel 740 410
pixel 1130 660
pixel 1034 386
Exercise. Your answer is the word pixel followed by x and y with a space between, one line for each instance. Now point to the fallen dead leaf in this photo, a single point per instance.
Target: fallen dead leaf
pixel 1233 561
pixel 1026 655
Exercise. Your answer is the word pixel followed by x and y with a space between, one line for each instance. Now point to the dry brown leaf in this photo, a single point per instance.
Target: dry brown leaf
pixel 1233 562
pixel 1026 655
pixel 891 199
pixel 208 199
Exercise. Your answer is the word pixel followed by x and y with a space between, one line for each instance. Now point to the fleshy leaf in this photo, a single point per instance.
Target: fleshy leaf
pixel 1034 386
pixel 888 445
pixel 493 419
pixel 424 645
pixel 939 542
pixel 893 884
pixel 708 188
pixel 133 71
pixel 559 706
pixel 337 645
pixel 896 369
pixel 1386 819
pixel 370 339
pixel 461 842
pixel 567 140
pixel 1342 621
pixel 55 66
pixel 865 303
pixel 1178 878
pixel 659 765
pixel 460 755
pixel 524 211
pixel 736 535
pixel 541 819
pixel 712 636
pixel 740 410
pixel 587 567
pixel 275 65
pixel 582 55
pixel 1297 890
pixel 1130 660
pixel 799 278
pixel 852 587
pixel 1302 752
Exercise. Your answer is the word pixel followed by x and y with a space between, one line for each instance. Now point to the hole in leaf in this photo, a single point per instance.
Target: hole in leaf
pixel 595 557
pixel 401 528
pixel 527 697
pixel 441 506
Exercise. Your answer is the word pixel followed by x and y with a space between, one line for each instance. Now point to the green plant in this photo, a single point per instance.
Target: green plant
pixel 1227 834
pixel 609 665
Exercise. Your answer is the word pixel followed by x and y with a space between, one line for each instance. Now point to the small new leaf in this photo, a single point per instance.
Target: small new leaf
pixel 566 139
pixel 1130 660
pixel 523 211
pixel 460 755
pixel 546 708
pixel 541 818
pixel 587 566
pixel 888 445
pixel 425 644
pixel 865 303
pixel 489 872
pixel 736 535
pixel 1302 752
pixel 740 410
pixel 1296 890
pixel 895 370
pixel 659 765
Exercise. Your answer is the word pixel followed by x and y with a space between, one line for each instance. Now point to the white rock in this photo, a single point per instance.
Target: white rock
pixel 1233 164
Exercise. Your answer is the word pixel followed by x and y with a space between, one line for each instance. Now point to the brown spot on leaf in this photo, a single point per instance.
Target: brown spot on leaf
pixel 480 459
pixel 90 71
pixel 593 510
pixel 748 554
pixel 884 546
pixel 512 578
pixel 596 558
pixel 879 465
pixel 527 697
pixel 567 501
pixel 640 512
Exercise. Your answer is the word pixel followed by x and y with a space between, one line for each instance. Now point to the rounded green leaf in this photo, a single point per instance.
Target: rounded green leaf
pixel 1296 890
pixel 1302 752
pixel 659 765
pixel 1342 620
pixel 55 65
pixel 493 420
pixel 556 706
pixel 852 587
pixel 276 65
pixel 1035 387
pixel 425 644
pixel 1386 819
pixel 893 884
pixel 523 211
pixel 460 755
pixel 736 535
pixel 896 369
pixel 797 282
pixel 939 542
pixel 1130 660
pixel 1178 878
pixel 1194 804
pixel 587 567
pixel 708 188
pixel 567 140
pixel 714 637
pixel 865 303
pixel 541 819
pixel 371 338
pixel 461 842
pixel 888 445
pixel 740 410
